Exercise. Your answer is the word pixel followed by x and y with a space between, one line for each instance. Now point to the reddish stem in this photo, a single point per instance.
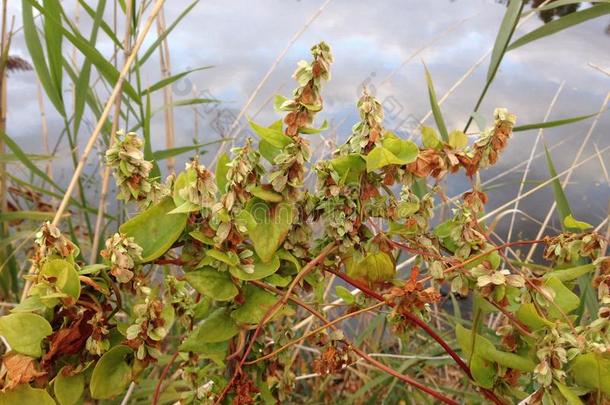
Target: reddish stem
pixel 157 394
pixel 413 318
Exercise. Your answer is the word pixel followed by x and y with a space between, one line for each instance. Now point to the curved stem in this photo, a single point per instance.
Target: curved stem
pixel 157 393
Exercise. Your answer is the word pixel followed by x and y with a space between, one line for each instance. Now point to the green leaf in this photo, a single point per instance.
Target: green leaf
pixel 349 167
pixel 507 28
pixel 66 276
pixel 213 283
pixel 571 273
pixel 68 389
pixel 458 139
pixel 571 222
pixel 311 131
pixel 562 23
pixel 23 394
pixel 373 268
pixel 430 137
pixel 155 230
pixel 217 327
pixel 216 352
pixel 261 269
pixel 344 294
pixel 403 149
pixel 112 373
pixel 592 370
pixel 436 111
pixel 564 298
pixel 275 137
pixel 266 195
pixel 487 351
pixel 381 157
pixel 257 303
pixel 528 314
pixel 568 394
pixel 25 332
pixel 483 371
pixel 221 172
pixel 268 151
pixel 267 225
pixel 550 124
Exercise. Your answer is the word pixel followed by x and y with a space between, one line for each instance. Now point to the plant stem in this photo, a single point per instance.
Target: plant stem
pixel 272 311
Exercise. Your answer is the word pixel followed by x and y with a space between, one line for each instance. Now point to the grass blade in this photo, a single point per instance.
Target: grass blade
pixel 561 3
pixel 550 124
pixel 161 37
pixel 507 27
pixel 562 23
pixel 95 16
pixel 169 80
pixel 588 296
pixel 53 39
pixel 33 44
pixel 100 62
pixel 12 158
pixel 23 158
pixel 167 153
pixel 148 153
pixel 436 111
pixel 81 87
pixel 37 216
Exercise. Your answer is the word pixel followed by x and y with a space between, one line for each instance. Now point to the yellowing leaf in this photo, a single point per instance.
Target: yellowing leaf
pixel 23 394
pixel 374 268
pixel 266 195
pixel 66 276
pixel 221 172
pixel 430 137
pixel 528 314
pixel 24 332
pixel 564 298
pixel 458 139
pixel 349 167
pixel 592 370
pixel 571 222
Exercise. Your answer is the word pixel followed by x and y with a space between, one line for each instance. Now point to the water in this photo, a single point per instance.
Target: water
pixel 382 46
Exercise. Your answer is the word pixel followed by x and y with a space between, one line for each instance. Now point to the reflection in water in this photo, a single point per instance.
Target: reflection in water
pixel 553 13
pixel 557 12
